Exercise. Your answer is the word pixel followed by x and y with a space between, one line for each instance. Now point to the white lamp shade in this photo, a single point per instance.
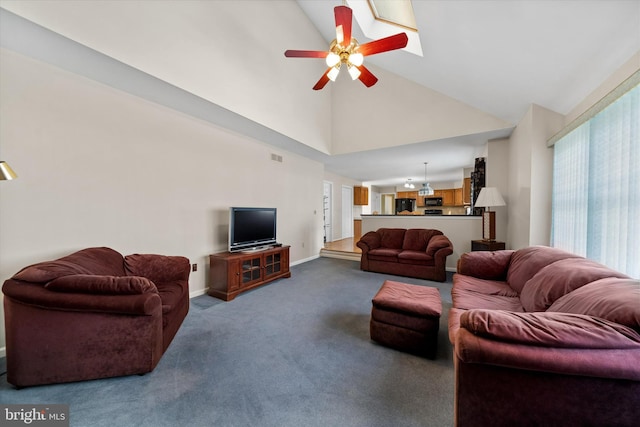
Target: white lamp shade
pixel 333 73
pixel 489 196
pixel 332 59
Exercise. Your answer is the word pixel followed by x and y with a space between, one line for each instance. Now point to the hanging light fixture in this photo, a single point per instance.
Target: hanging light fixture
pixel 426 189
pixel 6 173
pixel 409 184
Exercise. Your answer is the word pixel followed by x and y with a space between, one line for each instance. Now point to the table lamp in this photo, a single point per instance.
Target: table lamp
pixel 489 196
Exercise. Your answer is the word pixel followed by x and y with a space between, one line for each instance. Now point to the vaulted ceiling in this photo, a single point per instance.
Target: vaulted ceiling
pixel 484 63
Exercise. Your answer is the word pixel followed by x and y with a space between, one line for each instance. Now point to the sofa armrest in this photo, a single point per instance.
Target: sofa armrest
pixel 489 265
pixel 439 246
pixel 598 363
pixel 102 285
pixel 158 268
pixel 35 294
pixel 370 240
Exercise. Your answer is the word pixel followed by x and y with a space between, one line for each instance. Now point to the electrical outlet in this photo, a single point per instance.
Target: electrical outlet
pixel 194 267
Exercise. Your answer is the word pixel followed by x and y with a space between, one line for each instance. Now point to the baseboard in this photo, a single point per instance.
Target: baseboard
pixel 197 293
pixel 305 260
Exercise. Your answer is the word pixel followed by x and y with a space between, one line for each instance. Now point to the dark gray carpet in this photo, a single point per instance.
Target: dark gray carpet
pixel 295 352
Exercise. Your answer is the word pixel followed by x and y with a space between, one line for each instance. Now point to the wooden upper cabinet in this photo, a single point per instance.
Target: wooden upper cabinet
pixel 450 196
pixel 407 195
pixel 447 197
pixel 361 196
pixel 466 191
pixel 457 196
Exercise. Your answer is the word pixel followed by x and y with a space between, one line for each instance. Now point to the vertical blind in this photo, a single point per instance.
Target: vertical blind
pixel 596 187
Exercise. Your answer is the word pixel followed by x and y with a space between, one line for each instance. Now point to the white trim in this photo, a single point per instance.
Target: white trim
pixel 608 99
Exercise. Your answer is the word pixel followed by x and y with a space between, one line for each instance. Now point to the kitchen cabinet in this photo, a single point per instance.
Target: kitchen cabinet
pixel 466 191
pixel 457 197
pixel 361 196
pixel 450 196
pixel 447 197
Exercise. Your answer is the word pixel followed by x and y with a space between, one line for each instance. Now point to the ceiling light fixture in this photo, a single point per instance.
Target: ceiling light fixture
pixel 345 49
pixel 6 173
pixel 409 184
pixel 426 189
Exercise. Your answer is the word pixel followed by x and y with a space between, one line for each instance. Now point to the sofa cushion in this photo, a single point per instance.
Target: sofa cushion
pixel 384 254
pixel 482 286
pixel 106 285
pixel 391 237
pixel 546 329
pixel 467 299
pixel 490 265
pixel 416 239
pixel 413 257
pixel 100 261
pixel 560 278
pixel 525 263
pixel 613 299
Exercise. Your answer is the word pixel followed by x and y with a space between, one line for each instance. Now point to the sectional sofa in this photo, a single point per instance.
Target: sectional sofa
pixel 544 337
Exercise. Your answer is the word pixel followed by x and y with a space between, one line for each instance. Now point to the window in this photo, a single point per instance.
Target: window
pixel 596 187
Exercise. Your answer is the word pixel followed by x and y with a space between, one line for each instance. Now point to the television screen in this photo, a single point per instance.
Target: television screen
pixel 251 228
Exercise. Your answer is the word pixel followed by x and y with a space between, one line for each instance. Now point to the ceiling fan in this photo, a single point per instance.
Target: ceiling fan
pixel 345 49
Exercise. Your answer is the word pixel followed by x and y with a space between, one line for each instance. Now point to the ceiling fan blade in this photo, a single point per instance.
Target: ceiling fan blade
pixel 386 44
pixel 323 80
pixel 367 76
pixel 305 54
pixel 343 24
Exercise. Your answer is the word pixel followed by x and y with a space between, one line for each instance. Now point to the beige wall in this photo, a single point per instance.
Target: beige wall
pixel 99 167
pixel 498 176
pixel 530 175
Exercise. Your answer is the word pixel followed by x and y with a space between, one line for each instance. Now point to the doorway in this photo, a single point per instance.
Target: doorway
pixel 347 212
pixel 327 211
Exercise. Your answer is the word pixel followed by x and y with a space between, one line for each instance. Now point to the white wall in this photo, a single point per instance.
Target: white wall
pixel 497 176
pixel 99 167
pixel 243 67
pixel 530 177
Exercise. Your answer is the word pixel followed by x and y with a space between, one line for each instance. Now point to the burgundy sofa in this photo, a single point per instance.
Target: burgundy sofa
pixel 92 314
pixel 544 337
pixel 415 252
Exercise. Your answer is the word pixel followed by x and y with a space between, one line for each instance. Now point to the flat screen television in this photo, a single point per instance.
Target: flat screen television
pixel 251 229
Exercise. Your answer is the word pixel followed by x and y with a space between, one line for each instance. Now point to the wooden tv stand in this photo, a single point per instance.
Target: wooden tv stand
pixel 233 273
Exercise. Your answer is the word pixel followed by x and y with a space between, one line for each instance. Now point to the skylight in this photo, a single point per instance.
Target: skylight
pixel 398 12
pixel 383 18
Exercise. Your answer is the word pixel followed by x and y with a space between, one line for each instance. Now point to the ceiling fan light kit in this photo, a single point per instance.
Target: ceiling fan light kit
pixel 345 49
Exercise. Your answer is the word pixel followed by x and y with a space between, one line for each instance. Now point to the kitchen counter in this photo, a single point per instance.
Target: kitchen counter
pixel 460 229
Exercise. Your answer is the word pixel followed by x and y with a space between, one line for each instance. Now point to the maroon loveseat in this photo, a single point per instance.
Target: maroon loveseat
pixel 544 337
pixel 415 252
pixel 92 314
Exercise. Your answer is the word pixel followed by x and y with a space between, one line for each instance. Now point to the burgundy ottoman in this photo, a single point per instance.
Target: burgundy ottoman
pixel 406 317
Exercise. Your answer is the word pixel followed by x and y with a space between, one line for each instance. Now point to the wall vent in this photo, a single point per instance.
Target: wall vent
pixel 276 158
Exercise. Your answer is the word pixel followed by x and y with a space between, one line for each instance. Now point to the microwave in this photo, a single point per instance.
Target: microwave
pixel 433 201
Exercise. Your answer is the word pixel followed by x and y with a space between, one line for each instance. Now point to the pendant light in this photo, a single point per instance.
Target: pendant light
pixel 426 189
